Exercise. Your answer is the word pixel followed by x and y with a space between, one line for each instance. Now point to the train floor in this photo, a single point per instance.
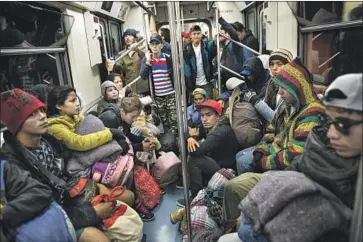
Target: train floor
pixel 161 229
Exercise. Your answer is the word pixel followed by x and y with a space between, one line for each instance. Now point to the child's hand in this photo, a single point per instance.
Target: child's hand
pixel 136 131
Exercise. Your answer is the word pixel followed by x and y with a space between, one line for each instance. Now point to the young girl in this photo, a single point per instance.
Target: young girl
pixel 117 80
pixel 110 94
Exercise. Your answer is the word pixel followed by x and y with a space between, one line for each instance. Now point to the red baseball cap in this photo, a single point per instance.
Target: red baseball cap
pixel 186 34
pixel 210 103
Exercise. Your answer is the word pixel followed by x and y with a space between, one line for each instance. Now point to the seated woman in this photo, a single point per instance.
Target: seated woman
pixel 117 80
pixel 121 117
pixel 216 148
pixel 110 95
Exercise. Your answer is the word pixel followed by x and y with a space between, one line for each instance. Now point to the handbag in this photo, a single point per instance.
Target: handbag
pixel 147 190
pixel 125 225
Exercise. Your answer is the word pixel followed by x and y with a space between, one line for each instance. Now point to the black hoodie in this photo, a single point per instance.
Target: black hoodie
pixel 259 75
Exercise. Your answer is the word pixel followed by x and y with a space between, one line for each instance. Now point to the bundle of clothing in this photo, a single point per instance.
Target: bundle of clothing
pixel 206 208
pixel 80 164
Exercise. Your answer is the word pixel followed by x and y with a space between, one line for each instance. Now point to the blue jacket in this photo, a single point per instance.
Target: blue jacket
pixel 209 51
pixel 194 118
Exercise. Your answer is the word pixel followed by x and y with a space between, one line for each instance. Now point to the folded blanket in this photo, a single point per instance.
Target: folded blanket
pixel 80 162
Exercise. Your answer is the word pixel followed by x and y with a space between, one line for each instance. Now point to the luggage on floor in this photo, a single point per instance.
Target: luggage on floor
pixel 166 168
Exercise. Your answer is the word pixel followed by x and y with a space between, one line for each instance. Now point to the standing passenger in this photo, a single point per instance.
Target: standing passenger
pixel 198 57
pixel 160 66
pixel 129 65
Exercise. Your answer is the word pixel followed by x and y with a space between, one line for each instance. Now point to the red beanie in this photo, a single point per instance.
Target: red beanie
pixel 16 107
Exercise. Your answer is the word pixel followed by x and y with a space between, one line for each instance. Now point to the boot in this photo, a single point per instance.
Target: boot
pixel 177 215
pixel 183 224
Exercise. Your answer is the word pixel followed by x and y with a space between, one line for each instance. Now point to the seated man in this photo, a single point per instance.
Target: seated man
pixel 216 148
pixel 329 155
pixel 199 96
pixel 23 194
pixel 330 163
pixel 275 152
pixel 24 146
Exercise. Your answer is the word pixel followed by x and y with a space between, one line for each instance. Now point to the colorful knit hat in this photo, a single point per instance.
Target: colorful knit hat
pixel 297 80
pixel 282 55
pixel 16 107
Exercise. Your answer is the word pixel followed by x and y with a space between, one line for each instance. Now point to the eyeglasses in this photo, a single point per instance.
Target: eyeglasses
pixel 343 125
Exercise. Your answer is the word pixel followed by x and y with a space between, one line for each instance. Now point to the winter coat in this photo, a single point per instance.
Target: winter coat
pixel 63 128
pixel 79 211
pixel 219 144
pixel 129 68
pixel 146 70
pixel 111 118
pixel 103 104
pixel 209 51
pixel 194 118
pixel 279 150
pixel 288 206
pixel 322 164
pixel 260 76
pixel 24 195
pixel 232 55
pixel 251 41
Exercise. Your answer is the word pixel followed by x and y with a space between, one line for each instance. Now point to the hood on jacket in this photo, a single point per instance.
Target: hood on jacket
pixel 258 72
pixel 322 164
pixel 298 81
pixel 65 120
pixel 40 91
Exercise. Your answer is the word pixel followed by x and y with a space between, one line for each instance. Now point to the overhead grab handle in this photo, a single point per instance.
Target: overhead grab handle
pixel 240 44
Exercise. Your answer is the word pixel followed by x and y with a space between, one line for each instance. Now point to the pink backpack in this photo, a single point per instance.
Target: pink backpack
pixel 114 173
pixel 166 168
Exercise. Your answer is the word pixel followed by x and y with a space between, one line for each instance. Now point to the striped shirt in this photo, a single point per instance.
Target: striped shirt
pixel 162 82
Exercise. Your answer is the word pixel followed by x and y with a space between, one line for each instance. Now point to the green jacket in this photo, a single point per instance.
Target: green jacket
pixel 129 68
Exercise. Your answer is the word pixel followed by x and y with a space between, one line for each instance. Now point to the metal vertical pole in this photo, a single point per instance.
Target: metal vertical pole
pixel 218 53
pixel 181 59
pixel 176 68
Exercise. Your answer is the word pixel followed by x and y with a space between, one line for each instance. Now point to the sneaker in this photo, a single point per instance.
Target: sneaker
pixel 147 217
pixel 181 203
pixel 179 184
pixel 162 190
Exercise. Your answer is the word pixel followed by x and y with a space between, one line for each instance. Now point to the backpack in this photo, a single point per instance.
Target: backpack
pixel 147 191
pixel 52 225
pixel 245 121
pixel 166 169
pixel 117 172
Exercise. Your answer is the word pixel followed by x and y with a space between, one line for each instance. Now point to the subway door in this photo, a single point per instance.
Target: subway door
pixel 104 46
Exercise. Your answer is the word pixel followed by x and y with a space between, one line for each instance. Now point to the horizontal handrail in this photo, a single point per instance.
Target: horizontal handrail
pixel 145 8
pixel 240 44
pixel 91 105
pixel 31 51
pixel 129 50
pixel 231 71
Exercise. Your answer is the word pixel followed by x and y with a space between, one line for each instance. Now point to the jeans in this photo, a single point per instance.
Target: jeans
pixel 244 160
pixel 246 232
pixel 200 168
pixel 208 88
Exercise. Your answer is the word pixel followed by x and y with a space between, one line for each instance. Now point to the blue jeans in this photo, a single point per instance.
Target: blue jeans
pixel 244 160
pixel 208 88
pixel 246 232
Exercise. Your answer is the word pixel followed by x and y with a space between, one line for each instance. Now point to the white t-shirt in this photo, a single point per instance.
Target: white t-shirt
pixel 201 79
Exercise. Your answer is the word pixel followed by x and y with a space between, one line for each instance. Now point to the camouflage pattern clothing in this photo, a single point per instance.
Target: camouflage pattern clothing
pixel 166 109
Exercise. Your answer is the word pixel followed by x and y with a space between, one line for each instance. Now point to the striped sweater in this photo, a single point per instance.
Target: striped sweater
pixel 279 150
pixel 160 74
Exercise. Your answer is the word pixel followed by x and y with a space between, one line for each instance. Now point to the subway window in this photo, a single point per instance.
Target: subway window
pixel 32 43
pixel 333 52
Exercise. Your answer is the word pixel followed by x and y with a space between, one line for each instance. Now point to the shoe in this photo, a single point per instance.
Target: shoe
pixel 144 213
pixel 162 191
pixel 147 217
pixel 183 224
pixel 181 203
pixel 179 184
pixel 177 215
pixel 143 238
